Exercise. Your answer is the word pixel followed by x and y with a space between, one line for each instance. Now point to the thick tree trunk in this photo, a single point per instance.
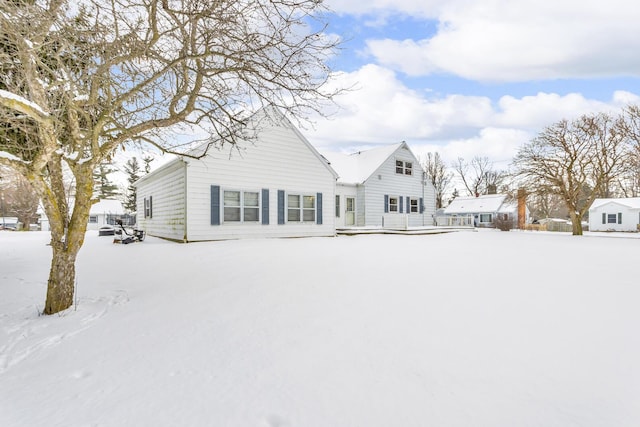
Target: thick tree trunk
pixel 576 222
pixel 67 237
pixel 61 284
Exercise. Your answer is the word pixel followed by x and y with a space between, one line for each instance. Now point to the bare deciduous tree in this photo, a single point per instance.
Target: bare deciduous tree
pixel 479 176
pixel 19 199
pixel 438 175
pixel 575 160
pixel 629 183
pixel 82 79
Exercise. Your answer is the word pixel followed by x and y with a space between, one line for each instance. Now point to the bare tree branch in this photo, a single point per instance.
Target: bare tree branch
pixel 85 78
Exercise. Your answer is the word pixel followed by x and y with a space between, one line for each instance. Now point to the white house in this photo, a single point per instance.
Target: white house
pixel 479 211
pixel 276 185
pixel 8 223
pixel 382 187
pixel 615 214
pixel 105 212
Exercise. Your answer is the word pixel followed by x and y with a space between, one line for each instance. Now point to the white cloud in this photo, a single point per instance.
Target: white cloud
pixel 385 111
pixel 507 40
pixel 422 8
pixel 498 144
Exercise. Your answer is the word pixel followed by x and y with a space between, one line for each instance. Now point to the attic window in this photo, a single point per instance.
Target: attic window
pixel 404 168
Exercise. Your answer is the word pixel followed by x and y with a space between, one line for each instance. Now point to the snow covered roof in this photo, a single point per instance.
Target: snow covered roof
pixel 357 167
pixel 486 203
pixel 107 207
pixel 273 115
pixel 630 202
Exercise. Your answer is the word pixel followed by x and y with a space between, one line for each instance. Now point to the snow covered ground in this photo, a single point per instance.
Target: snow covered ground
pixel 496 329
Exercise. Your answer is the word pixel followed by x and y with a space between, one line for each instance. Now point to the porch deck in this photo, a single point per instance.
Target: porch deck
pixel 353 231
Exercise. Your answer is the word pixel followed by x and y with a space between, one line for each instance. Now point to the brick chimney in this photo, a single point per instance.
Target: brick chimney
pixel 522 208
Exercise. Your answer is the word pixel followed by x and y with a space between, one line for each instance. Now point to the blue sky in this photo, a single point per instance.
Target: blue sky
pixel 468 77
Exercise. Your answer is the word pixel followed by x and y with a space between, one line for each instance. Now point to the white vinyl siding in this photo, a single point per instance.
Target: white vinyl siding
pixel 615 216
pixel 386 182
pixel 161 208
pixel 278 160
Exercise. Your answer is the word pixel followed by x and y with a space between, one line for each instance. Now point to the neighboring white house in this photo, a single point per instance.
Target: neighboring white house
pixel 479 211
pixel 8 223
pixel 382 187
pixel 105 212
pixel 276 185
pixel 615 214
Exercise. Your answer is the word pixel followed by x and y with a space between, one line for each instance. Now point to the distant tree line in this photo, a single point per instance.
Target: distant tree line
pixel 563 169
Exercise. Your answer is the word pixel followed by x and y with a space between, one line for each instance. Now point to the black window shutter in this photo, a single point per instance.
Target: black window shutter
pixel 400 203
pixel 386 203
pixel 215 205
pixel 408 204
pixel 604 218
pixel 421 205
pixel 265 206
pixel 150 206
pixel 319 208
pixel 619 217
pixel 280 206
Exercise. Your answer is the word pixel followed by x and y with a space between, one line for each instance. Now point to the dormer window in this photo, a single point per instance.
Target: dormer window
pixel 404 168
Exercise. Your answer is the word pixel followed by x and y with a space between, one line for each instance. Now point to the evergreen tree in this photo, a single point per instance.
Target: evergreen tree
pixel 147 163
pixel 453 196
pixel 104 188
pixel 132 169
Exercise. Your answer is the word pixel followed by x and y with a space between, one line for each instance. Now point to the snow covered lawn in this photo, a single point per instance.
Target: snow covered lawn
pixel 466 329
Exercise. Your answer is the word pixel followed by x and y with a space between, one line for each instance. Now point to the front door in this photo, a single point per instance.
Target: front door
pixel 350 211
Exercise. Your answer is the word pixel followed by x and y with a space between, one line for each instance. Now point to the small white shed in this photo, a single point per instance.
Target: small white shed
pixel 615 214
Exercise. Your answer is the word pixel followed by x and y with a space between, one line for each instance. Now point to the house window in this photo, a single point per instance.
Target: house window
pixel 408 168
pixel 337 206
pixel 399 167
pixel 485 217
pixel 404 168
pixel 414 205
pixel 148 207
pixel 309 208
pixel 612 218
pixel 393 204
pixel 241 206
pixel 231 206
pixel 93 219
pixel 301 208
pixel 251 206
